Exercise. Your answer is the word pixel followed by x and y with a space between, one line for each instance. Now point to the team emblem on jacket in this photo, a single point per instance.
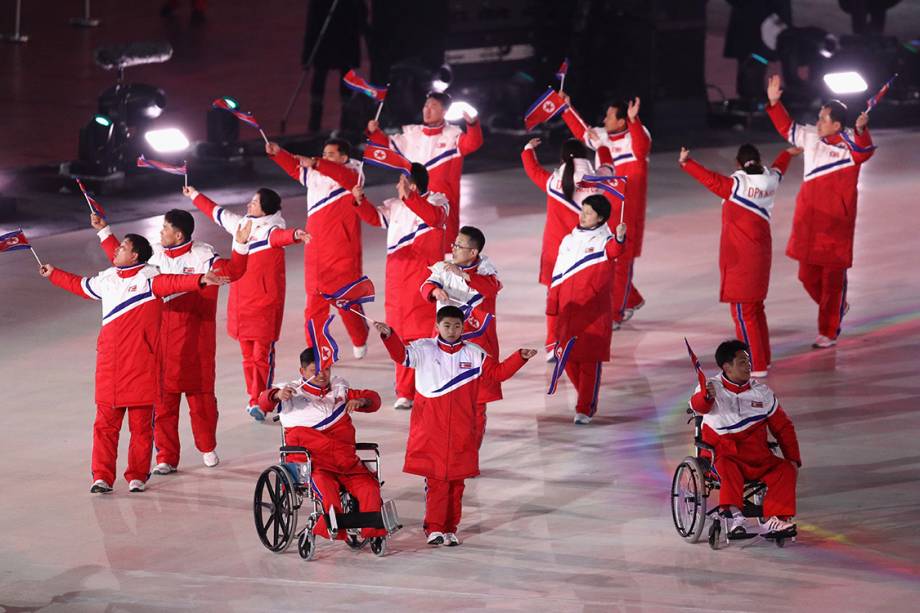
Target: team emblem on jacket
pixel 757 405
pixel 589 250
pixel 132 289
pixel 466 364
pixel 188 270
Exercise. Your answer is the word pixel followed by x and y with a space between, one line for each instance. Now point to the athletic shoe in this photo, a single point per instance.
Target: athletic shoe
pixel 550 357
pixel 360 352
pixel 452 540
pixel 736 525
pixel 403 404
pixel 164 469
pixel 775 524
pixel 759 374
pixel 136 485
pixel 581 419
pixel 210 459
pixel 100 487
pixel 256 413
pixel 436 539
pixel 628 313
pixel 822 342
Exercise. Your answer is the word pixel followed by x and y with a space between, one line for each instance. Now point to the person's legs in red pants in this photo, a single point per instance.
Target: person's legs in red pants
pixel 750 323
pixel 833 301
pixel 259 371
pixel 166 428
pixel 140 447
pixel 586 377
pixel 624 294
pixel 437 505
pixel 203 415
pixel 780 480
pixel 454 505
pixel 325 487
pixel 810 276
pixel 106 430
pixel 405 382
pixel 731 483
pixel 364 488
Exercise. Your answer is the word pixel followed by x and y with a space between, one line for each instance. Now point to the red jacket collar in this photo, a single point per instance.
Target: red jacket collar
pixel 618 135
pixel 433 131
pixel 733 387
pixel 313 389
pixel 177 250
pixel 449 347
pixel 129 271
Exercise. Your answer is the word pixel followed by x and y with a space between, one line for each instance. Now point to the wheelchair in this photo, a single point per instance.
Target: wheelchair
pixel 695 479
pixel 284 489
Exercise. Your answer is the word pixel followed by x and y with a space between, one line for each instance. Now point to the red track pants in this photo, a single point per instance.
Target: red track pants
pixel 751 327
pixel 106 430
pixel 828 288
pixel 258 367
pixel 202 409
pixel 443 505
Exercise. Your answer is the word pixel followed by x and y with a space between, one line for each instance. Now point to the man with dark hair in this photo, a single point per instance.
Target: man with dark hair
pixel 332 261
pixel 629 143
pixel 737 413
pixel 470 281
pixel 315 413
pixel 415 241
pixel 126 363
pixel 256 304
pixel 825 208
pixel 188 334
pixel 439 146
pixel 443 444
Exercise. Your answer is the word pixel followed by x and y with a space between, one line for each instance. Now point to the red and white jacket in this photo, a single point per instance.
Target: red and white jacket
pixel 746 244
pixel 256 305
pixel 319 413
pixel 579 294
pixel 443 443
pixel 825 208
pixel 188 335
pixel 415 241
pixel 630 150
pixel 561 212
pixel 332 258
pixel 128 343
pixel 441 150
pixel 736 422
pixel 476 297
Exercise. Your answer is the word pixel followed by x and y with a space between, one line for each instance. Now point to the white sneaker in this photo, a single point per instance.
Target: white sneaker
pixel 436 539
pixel 628 313
pixel 403 404
pixel 451 539
pixel 822 342
pixel 736 524
pixel 759 373
pixel 550 356
pixel 210 459
pixel 582 419
pixel 360 352
pixel 164 469
pixel 775 524
pixel 100 487
pixel 136 485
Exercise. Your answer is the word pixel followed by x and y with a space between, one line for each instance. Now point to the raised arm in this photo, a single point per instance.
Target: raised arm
pixel 719 185
pixel 340 173
pixel 107 239
pixel 576 124
pixel 641 142
pixel 532 167
pixel 504 370
pixel 218 214
pixel 781 163
pixel 284 159
pixel 75 284
pixel 471 140
pixel 166 285
pixel 376 135
pixel 431 214
pixel 368 213
pixel 863 141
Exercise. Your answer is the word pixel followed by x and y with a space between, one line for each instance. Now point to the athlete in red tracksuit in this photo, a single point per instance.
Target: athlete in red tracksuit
pixel 315 414
pixel 188 335
pixel 746 245
pixel 332 259
pixel 256 303
pixel 443 445
pixel 126 353
pixel 737 413
pixel 825 208
pixel 470 281
pixel 579 298
pixel 629 142
pixel 415 240
pixel 563 203
pixel 440 147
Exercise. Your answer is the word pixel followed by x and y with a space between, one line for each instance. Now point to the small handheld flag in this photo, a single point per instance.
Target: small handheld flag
pixel 355 82
pixel 324 346
pixel 561 72
pixel 603 182
pixel 358 292
pixel 561 351
pixel 383 157
pixel 545 108
pixel 231 105
pixel 172 169
pixel 696 365
pixel 874 100
pixel 16 241
pixel 94 206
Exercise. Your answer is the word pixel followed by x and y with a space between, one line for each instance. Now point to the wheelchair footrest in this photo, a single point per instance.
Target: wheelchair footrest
pixel 784 534
pixel 355 520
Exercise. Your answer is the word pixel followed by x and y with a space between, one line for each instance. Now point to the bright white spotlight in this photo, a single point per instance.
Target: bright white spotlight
pixel 439 86
pixel 845 82
pixel 457 109
pixel 167 140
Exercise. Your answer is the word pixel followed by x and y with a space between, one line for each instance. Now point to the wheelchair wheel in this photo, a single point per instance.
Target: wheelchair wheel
pixel 780 541
pixel 306 544
pixel 688 500
pixel 379 546
pixel 715 533
pixel 275 509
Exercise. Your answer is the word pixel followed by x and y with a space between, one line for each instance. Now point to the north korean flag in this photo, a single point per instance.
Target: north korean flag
pixel 375 155
pixel 545 108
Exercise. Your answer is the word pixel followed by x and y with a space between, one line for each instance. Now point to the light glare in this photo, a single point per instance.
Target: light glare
pixel 167 140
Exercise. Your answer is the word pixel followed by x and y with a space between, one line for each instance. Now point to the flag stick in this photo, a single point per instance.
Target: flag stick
pixel 265 138
pixel 35 255
pixel 561 83
pixel 622 209
pixel 91 211
pixel 379 108
pixel 186 173
pixel 360 314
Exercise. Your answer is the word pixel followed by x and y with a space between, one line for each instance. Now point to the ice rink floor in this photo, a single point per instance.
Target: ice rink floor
pixel 563 518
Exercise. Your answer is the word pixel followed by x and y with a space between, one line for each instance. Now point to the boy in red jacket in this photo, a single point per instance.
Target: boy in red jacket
pixel 443 445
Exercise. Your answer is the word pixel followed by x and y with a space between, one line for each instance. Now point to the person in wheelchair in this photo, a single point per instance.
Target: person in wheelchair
pixel 315 413
pixel 737 413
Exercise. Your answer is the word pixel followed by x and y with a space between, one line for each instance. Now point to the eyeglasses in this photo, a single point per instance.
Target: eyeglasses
pixel 457 246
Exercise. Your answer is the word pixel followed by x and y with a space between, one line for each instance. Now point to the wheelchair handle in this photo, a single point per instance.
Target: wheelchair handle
pixel 276 418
